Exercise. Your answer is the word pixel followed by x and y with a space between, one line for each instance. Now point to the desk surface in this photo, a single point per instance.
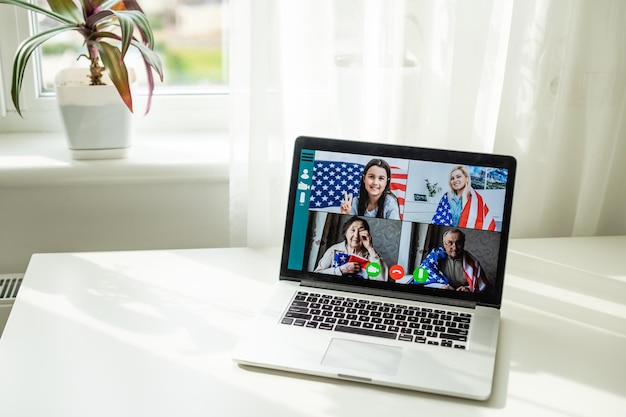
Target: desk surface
pixel 149 333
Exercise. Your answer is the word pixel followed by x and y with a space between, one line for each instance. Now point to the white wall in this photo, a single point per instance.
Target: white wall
pixel 68 217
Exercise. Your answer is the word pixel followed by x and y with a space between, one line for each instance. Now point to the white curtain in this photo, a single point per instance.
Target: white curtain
pixel 542 80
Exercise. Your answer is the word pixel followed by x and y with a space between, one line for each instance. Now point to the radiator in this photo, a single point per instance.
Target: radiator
pixel 9 286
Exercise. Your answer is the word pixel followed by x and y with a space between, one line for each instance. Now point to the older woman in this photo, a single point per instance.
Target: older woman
pixel 351 257
pixel 462 206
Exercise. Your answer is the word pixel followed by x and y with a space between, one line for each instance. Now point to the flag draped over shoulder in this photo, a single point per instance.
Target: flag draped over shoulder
pixel 475 213
pixel 471 269
pixel 332 178
pixel 430 264
pixel 473 273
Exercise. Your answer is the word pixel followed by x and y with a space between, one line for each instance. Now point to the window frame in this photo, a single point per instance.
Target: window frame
pixel 170 111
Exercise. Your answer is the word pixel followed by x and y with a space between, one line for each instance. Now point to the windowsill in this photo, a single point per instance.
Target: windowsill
pixel 36 159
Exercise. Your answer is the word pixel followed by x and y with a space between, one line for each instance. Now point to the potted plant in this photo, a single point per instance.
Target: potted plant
pixel 432 189
pixel 109 29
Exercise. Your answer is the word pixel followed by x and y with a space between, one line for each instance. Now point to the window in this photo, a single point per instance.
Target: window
pixel 191 38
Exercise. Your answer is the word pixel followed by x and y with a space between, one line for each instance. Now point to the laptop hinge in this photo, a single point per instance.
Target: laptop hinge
pixel 385 293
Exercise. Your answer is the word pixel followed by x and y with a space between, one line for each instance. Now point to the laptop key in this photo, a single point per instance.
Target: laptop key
pixel 397 322
pixel 463 319
pixel 457 337
pixel 297 309
pixel 365 332
pixel 293 315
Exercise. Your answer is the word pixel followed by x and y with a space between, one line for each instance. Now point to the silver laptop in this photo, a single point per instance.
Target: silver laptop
pixel 392 268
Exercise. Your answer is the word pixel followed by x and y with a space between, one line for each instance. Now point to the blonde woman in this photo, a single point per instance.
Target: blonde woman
pixel 462 206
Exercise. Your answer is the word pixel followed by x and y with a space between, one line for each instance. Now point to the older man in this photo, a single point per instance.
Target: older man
pixel 452 267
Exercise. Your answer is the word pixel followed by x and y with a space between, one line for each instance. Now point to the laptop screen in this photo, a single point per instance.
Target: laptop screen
pixel 400 219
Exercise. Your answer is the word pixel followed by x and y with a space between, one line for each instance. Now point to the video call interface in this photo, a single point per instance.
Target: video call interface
pixel 398 221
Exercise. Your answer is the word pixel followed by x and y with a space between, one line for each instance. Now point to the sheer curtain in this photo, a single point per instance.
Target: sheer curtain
pixel 542 80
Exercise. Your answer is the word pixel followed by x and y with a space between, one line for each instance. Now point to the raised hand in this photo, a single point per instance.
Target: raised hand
pixel 346 204
pixel 366 239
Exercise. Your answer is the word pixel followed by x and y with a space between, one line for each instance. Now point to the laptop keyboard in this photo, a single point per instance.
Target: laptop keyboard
pixel 372 318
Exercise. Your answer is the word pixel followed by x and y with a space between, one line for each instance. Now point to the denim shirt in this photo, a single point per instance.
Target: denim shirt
pixel 456 207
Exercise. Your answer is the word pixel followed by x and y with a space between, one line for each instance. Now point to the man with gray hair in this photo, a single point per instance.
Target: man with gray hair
pixel 451 267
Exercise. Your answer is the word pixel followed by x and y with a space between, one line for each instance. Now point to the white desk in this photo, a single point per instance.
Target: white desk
pixel 149 333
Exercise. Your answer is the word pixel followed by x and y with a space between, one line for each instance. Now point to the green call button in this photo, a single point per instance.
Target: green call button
pixel 373 269
pixel 420 275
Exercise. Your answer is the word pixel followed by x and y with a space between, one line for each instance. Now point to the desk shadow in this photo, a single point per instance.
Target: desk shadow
pixel 116 299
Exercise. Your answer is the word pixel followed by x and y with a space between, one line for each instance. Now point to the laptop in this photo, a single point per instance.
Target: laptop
pixel 392 268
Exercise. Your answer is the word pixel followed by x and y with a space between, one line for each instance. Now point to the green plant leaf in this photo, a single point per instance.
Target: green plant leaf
pixel 117 71
pixel 125 23
pixel 143 25
pixel 22 56
pixel 67 8
pixel 127 27
pixel 150 57
pixel 151 60
pixel 106 4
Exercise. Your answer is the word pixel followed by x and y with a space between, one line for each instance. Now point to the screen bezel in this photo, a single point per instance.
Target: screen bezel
pixel 493 298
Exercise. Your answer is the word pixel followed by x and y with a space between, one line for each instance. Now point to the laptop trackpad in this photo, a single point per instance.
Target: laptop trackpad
pixel 363 357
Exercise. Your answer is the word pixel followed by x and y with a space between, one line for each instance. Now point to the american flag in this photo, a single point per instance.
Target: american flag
pixel 332 178
pixel 474 215
pixel 342 258
pixel 471 269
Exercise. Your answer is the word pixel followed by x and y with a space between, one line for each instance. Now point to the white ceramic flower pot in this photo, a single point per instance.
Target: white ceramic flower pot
pixel 98 124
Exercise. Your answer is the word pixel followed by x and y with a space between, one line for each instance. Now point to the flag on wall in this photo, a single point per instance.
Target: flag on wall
pixel 332 178
pixel 398 185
